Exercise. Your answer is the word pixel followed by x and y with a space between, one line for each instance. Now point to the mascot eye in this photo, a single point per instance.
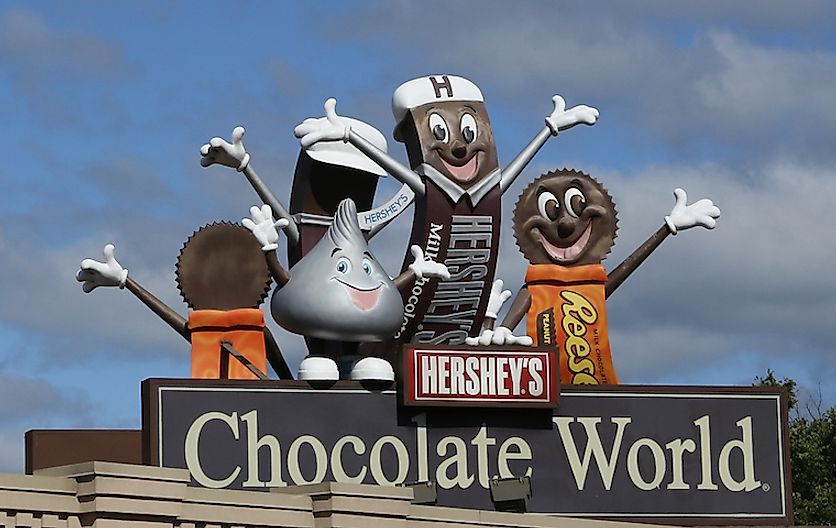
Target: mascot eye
pixel 547 205
pixel 469 130
pixel 343 265
pixel 439 128
pixel 367 266
pixel 575 201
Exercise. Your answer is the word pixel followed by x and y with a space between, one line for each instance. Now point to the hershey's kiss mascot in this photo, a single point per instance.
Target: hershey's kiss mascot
pixel 338 290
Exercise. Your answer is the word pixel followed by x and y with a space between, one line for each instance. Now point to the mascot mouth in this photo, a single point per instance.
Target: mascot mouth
pixel 463 173
pixel 363 299
pixel 564 254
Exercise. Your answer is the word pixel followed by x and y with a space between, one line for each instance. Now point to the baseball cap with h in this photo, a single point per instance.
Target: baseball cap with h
pixel 432 88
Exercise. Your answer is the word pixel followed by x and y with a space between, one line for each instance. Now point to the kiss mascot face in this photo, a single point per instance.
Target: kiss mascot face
pixel 450 144
pixel 338 290
pixel 565 225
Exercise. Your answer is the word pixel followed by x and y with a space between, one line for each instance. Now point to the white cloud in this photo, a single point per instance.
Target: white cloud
pixel 47 67
pixel 757 287
pixel 775 95
pixel 27 403
pixel 694 88
pixel 27 41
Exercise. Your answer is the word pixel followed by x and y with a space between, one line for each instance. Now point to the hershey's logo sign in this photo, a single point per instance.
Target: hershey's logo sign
pixel 504 376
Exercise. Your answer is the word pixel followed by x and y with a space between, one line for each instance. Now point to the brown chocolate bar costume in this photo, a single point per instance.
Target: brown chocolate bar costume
pixel 464 236
pixel 458 186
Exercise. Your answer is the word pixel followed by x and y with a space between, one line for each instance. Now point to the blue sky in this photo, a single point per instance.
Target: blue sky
pixel 105 106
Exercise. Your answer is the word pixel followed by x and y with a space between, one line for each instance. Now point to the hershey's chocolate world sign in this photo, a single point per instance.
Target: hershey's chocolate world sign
pixel 692 455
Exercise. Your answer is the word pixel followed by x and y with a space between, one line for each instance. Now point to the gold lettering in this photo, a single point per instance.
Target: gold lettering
pixel 577 310
pixel 577 346
pixel 580 305
pixel 578 365
pixel 582 378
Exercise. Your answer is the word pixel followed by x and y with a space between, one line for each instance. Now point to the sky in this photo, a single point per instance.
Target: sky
pixel 105 105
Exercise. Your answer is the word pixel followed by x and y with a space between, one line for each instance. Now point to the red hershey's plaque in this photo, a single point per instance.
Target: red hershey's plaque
pixel 480 376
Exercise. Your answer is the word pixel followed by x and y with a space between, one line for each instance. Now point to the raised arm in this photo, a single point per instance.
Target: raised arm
pixel 559 120
pixel 172 318
pixel 626 268
pixel 263 228
pixel 420 268
pixel 701 213
pixel 234 155
pixel 110 273
pixel 399 171
pixel 334 128
pixel 504 334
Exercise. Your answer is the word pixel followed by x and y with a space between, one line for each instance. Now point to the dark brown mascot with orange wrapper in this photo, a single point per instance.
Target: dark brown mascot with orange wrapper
pixel 565 224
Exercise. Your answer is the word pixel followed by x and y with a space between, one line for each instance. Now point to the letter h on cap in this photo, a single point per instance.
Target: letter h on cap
pixel 443 84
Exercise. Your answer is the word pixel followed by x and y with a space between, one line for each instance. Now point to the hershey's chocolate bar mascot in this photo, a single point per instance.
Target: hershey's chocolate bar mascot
pixel 458 184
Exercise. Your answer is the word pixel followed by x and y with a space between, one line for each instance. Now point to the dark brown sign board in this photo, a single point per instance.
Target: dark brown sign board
pixel 46 448
pixel 674 455
pixel 450 376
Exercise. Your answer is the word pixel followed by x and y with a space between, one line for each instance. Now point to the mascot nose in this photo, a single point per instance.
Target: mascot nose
pixel 565 227
pixel 459 149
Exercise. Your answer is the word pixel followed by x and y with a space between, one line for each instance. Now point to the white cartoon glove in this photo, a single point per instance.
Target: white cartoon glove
pixel 423 267
pixel 562 119
pixel 329 128
pixel 108 273
pixel 703 213
pixel 497 298
pixel 499 336
pixel 263 227
pixel 218 150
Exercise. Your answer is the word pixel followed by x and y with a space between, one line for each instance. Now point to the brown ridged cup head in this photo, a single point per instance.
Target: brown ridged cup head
pixel 565 217
pixel 222 267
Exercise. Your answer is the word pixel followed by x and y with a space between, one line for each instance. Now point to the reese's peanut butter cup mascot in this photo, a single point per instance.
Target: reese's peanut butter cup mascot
pixel 565 224
pixel 223 278
pixel 458 185
pixel 338 291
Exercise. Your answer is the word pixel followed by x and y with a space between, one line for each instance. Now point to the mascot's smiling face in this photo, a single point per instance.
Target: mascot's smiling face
pixel 454 137
pixel 565 217
pixel 338 290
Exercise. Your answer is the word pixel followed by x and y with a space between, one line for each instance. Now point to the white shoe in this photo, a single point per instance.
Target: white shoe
pixel 314 368
pixel 372 369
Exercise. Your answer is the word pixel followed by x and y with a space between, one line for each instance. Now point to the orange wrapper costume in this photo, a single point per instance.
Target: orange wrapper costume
pixel 243 328
pixel 568 312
